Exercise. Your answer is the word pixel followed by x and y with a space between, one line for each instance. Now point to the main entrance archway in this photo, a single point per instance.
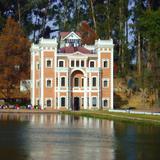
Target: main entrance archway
pixel 77 88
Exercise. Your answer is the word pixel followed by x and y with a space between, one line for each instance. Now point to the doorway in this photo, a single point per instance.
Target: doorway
pixel 76 105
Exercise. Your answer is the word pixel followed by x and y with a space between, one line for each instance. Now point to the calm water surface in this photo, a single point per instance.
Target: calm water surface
pixel 63 137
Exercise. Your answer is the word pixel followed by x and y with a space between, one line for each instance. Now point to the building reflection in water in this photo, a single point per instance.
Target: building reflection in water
pixel 58 136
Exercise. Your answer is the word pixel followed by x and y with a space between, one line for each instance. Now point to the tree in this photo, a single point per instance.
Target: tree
pixel 14 57
pixel 87 33
pixel 150 30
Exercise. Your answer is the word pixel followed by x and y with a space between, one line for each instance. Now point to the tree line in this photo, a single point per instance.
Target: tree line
pixel 134 25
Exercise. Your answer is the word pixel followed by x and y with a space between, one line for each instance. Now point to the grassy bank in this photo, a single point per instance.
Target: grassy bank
pixel 123 117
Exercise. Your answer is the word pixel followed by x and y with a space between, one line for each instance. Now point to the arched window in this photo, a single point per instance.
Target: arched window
pixel 76 82
pixel 63 81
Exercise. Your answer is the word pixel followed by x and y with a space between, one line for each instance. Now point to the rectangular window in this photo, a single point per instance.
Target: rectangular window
pixel 82 63
pixel 61 63
pixel 48 63
pixel 82 101
pixel 87 101
pixel 49 83
pixel 56 101
pixel 105 83
pixel 37 66
pixel 62 102
pixel 105 64
pixel 48 103
pixel 105 103
pixel 57 82
pixel 91 64
pixel 37 83
pixel 94 101
pixel 72 63
pixel 94 82
pixel 62 81
pixel 76 82
pixel 77 63
pixel 82 82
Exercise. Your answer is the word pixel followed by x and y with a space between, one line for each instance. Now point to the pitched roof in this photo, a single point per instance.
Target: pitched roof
pixel 64 34
pixel 72 49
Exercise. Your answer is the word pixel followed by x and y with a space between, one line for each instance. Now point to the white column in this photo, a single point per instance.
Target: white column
pixel 99 78
pixel 33 78
pixel 42 79
pixel 55 76
pixel 67 88
pixel 98 98
pixel 85 91
pixel 58 90
pixel 112 94
pixel 90 89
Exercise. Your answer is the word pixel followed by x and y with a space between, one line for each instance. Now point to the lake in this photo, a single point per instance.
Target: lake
pixel 65 137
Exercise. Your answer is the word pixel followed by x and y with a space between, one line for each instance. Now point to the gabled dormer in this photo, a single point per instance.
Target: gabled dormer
pixel 70 39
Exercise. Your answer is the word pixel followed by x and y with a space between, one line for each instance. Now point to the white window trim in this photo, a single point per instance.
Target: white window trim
pixel 77 60
pixel 80 63
pixel 46 82
pixel 61 100
pixel 105 79
pixel 103 60
pixel 37 81
pixel 92 101
pixel 48 98
pixel 96 81
pixel 61 81
pixel 63 62
pixel 46 62
pixel 90 63
pixel 74 82
pixel 106 98
pixel 70 63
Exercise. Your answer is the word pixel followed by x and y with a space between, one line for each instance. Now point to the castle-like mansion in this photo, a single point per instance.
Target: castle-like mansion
pixel 69 75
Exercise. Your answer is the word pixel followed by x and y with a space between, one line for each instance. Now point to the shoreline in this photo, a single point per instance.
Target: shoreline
pixel 28 111
pixel 100 114
pixel 121 117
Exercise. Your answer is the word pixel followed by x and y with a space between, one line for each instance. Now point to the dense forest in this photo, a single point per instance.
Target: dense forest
pixel 134 25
